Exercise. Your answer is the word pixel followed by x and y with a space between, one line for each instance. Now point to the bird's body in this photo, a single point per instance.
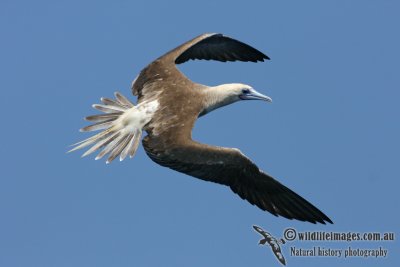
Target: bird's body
pixel 168 107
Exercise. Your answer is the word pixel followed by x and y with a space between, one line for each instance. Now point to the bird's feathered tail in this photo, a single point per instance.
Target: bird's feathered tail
pixel 121 126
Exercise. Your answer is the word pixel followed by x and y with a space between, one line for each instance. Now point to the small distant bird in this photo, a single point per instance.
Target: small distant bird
pixel 273 242
pixel 168 107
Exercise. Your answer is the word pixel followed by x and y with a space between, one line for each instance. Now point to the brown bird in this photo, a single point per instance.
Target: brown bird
pixel 167 109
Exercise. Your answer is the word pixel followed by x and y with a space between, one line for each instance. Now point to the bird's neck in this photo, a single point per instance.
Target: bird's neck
pixel 216 97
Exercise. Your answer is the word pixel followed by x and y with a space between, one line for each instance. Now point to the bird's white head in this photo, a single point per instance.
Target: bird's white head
pixel 225 94
pixel 239 91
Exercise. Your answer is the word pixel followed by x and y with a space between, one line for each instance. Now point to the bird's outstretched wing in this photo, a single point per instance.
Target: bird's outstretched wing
pixel 216 46
pixel 261 231
pixel 230 167
pixel 208 46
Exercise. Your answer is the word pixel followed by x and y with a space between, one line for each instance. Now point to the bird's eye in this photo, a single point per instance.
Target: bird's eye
pixel 245 91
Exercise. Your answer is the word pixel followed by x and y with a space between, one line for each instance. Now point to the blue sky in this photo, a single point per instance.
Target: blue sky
pixel 331 134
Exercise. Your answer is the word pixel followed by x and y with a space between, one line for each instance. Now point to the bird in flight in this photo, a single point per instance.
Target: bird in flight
pixel 167 108
pixel 272 242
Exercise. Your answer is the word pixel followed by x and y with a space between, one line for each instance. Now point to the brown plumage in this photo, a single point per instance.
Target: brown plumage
pixel 168 106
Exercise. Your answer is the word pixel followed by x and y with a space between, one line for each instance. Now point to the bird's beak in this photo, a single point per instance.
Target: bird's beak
pixel 254 95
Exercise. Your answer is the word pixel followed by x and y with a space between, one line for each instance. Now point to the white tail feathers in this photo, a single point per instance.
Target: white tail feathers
pixel 122 126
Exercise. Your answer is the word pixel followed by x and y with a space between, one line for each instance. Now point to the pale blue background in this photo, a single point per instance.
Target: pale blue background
pixel 331 134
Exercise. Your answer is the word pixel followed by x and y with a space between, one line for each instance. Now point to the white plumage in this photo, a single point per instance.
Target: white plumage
pixel 122 126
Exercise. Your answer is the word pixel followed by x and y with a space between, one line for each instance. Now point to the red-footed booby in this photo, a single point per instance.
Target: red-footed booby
pixel 168 106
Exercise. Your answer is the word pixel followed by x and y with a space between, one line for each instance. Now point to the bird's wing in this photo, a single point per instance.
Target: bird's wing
pixel 258 229
pixel 216 46
pixel 208 46
pixel 230 167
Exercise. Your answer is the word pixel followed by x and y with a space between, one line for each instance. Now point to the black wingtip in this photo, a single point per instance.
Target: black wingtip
pixel 263 58
pixel 322 219
pixel 219 47
pixel 328 220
